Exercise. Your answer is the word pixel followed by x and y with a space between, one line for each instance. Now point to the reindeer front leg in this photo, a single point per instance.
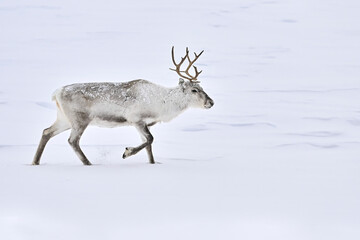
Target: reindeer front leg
pixel 145 133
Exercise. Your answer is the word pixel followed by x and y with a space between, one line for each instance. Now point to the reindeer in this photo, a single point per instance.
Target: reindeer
pixel 138 103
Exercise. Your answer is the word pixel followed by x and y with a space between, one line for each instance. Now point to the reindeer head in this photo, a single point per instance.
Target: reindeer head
pixel 194 92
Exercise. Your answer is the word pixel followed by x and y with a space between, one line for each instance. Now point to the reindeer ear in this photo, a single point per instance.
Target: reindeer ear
pixel 182 83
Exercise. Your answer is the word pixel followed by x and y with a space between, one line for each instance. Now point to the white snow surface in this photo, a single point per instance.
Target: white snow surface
pixel 277 157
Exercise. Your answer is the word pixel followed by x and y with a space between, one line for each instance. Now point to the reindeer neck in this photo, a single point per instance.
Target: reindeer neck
pixel 175 102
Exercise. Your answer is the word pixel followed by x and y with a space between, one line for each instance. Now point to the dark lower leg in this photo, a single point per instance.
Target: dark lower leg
pixel 150 154
pixel 129 151
pixel 74 143
pixel 44 139
pixel 144 132
pixel 80 153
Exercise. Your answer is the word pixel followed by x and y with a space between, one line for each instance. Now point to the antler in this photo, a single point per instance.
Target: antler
pixel 178 66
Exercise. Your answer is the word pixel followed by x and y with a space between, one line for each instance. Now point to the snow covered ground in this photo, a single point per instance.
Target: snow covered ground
pixel 277 157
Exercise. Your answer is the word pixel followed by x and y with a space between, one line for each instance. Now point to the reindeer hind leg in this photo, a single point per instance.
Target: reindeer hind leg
pixel 74 141
pixel 58 127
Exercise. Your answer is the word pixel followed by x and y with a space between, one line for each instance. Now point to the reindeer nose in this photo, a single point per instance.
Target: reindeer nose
pixel 209 103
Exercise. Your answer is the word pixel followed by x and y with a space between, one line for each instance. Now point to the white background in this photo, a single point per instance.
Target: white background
pixel 277 157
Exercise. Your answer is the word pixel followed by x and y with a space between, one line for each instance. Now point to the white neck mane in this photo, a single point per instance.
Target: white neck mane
pixel 175 102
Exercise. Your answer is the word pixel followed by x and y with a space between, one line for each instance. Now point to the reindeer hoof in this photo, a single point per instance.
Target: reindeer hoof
pixel 128 152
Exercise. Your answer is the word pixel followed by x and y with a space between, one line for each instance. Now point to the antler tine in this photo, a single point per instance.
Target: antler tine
pixel 194 78
pixel 189 76
pixel 172 55
pixel 196 73
pixel 199 54
pixel 182 59
pixel 177 69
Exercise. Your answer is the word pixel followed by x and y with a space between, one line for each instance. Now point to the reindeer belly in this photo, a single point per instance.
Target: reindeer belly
pixel 109 121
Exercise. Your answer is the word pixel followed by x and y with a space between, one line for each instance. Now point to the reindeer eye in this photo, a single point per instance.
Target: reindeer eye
pixel 194 90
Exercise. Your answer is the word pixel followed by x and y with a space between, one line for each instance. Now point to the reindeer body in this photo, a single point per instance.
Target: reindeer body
pixel 113 104
pixel 138 103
